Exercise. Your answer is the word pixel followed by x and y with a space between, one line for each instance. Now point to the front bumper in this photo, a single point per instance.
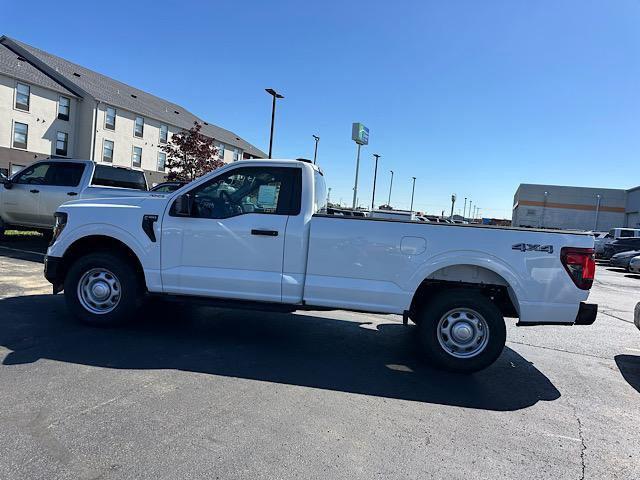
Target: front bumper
pixel 53 272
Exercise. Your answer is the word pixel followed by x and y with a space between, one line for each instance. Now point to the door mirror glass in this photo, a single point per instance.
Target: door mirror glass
pixel 182 205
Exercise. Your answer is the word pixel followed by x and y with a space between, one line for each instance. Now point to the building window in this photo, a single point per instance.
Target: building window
pixel 110 118
pixel 237 154
pixel 162 160
pixel 62 142
pixel 164 133
pixel 64 105
pixel 138 128
pixel 221 151
pixel 23 96
pixel 107 151
pixel 20 135
pixel 136 156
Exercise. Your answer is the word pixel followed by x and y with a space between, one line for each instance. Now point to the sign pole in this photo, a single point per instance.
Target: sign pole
pixel 355 186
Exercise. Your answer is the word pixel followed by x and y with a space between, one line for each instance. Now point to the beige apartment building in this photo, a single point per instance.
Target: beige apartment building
pixel 53 108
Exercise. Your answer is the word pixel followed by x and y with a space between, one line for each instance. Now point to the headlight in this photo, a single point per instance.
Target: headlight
pixel 60 223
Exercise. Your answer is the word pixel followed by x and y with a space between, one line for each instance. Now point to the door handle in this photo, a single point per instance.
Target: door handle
pixel 268 233
pixel 34 191
pixel 72 194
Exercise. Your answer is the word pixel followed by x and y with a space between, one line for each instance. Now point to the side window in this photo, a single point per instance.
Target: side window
pixel 320 193
pixel 272 190
pixel 34 175
pixel 626 233
pixel 65 174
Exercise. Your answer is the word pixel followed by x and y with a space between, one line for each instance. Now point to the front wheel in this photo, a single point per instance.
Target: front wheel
pixel 462 331
pixel 101 289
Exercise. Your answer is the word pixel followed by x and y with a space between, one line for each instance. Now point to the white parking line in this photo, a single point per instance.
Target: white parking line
pixel 633 349
pixel 22 251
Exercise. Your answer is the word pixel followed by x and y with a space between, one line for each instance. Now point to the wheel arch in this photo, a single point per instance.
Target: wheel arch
pixel 99 243
pixel 497 287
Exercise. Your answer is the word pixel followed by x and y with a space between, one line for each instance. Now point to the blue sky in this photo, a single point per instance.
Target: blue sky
pixel 471 97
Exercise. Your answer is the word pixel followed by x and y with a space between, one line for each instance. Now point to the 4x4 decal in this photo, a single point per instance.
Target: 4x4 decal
pixel 531 247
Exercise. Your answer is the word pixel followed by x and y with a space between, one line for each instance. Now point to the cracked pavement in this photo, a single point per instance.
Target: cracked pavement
pixel 192 392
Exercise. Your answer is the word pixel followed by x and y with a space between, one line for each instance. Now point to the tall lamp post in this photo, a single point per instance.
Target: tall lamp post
pixel 390 186
pixel 595 226
pixel 470 203
pixel 413 189
pixel 453 202
pixel 275 95
pixel 315 150
pixel 375 176
pixel 464 210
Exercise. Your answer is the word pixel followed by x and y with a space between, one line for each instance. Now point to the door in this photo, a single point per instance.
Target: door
pixel 62 182
pixel 20 202
pixel 231 245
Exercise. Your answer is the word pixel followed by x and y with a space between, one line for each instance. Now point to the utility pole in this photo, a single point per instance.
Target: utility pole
pixel 275 95
pixel 453 202
pixel 413 189
pixel 315 151
pixel 390 186
pixel 375 176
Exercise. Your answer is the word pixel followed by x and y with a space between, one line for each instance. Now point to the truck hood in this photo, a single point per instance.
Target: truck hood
pixel 151 200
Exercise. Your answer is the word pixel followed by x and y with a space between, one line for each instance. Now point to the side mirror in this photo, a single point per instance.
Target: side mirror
pixel 182 205
pixel 8 184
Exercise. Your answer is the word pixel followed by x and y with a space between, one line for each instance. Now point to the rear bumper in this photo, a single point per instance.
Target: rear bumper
pixel 53 272
pixel 587 314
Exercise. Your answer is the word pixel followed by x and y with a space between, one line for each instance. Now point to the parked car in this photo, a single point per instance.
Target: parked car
pixel 611 235
pixel 167 187
pixel 621 245
pixel 29 198
pixel 636 316
pixel 270 245
pixel 621 260
pixel 634 265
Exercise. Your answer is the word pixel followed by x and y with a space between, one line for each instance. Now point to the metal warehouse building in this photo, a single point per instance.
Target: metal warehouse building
pixel 575 208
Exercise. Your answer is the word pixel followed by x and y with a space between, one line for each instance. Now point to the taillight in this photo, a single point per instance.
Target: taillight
pixel 580 265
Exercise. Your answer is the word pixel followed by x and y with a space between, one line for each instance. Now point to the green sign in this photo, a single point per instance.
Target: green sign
pixel 360 134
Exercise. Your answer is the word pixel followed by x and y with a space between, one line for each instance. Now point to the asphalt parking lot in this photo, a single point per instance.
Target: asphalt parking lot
pixel 196 392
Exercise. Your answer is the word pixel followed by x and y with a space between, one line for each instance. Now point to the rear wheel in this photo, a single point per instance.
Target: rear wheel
pixel 101 289
pixel 462 331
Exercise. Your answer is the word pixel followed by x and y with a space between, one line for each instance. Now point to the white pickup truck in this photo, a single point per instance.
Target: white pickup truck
pixel 30 197
pixel 254 234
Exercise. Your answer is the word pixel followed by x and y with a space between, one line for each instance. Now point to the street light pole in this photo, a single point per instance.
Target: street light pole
pixel 470 203
pixel 453 202
pixel 390 186
pixel 375 176
pixel 413 189
pixel 464 210
pixel 315 151
pixel 595 226
pixel 275 95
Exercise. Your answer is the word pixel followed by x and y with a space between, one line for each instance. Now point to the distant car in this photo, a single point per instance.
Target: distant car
pixel 614 234
pixel 167 187
pixel 634 265
pixel 621 245
pixel 621 260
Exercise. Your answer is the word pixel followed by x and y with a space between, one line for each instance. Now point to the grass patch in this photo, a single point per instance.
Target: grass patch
pixel 22 233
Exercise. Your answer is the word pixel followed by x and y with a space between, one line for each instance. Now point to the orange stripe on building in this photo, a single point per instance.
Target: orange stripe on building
pixel 571 206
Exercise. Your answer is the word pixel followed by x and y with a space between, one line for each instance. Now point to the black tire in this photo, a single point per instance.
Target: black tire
pixel 470 304
pixel 129 284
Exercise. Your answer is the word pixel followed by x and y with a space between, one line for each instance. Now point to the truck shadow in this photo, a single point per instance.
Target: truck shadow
pixel 295 349
pixel 629 366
